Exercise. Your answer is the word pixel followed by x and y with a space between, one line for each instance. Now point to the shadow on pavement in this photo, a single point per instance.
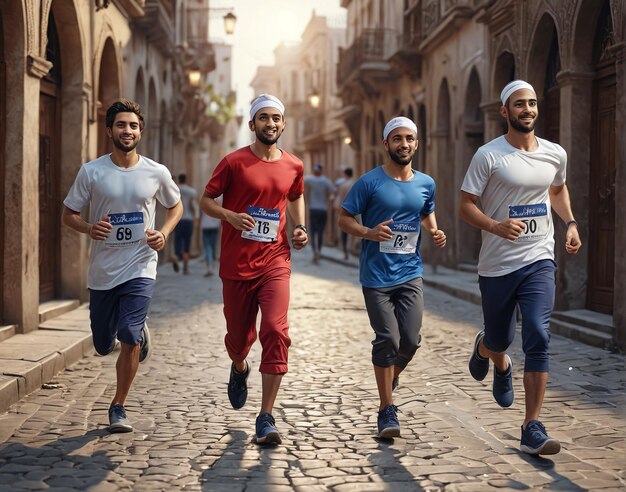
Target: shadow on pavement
pixel 55 464
pixel 391 471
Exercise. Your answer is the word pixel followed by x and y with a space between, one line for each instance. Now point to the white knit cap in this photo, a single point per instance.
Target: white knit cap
pixel 512 87
pixel 397 122
pixel 266 101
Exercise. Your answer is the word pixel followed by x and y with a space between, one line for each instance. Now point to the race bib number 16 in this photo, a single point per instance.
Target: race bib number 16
pixel 535 219
pixel 266 224
pixel 127 230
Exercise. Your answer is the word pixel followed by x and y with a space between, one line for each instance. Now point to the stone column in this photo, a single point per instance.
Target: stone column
pixel 575 137
pixel 493 120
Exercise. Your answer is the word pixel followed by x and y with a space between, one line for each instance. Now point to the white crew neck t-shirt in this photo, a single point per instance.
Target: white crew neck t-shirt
pixel 515 183
pixel 129 197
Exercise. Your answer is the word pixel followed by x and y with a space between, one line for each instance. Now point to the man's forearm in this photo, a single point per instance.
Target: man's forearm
pixel 172 217
pixel 296 210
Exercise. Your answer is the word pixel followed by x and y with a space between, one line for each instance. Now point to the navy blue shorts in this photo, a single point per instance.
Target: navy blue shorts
pixel 119 313
pixel 532 288
pixel 182 236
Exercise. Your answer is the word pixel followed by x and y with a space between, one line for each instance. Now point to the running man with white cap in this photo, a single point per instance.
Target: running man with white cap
pixel 260 184
pixel 395 202
pixel 519 178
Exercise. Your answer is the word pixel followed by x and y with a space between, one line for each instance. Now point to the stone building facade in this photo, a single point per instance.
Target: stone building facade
pixel 62 62
pixel 444 63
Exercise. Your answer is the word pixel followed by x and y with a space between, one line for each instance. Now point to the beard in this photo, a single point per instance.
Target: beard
pixel 403 161
pixel 125 148
pixel 265 140
pixel 522 128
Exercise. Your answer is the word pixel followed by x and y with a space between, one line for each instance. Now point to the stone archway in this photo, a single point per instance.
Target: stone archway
pixel 504 73
pixel 473 137
pixel 153 122
pixel 140 90
pixel 108 91
pixel 422 151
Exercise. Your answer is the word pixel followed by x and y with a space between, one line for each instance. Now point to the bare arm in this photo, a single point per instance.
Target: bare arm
pixel 241 221
pixel 348 223
pixel 296 210
pixel 98 231
pixel 560 200
pixel 429 223
pixel 470 213
pixel 156 238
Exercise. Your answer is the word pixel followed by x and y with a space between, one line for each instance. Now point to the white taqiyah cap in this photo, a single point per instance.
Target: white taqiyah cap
pixel 399 121
pixel 266 101
pixel 512 87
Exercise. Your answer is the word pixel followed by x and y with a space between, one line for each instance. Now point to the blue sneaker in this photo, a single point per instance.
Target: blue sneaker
pixel 238 386
pixel 388 425
pixel 536 441
pixel 478 366
pixel 503 385
pixel 266 431
pixel 145 345
pixel 118 422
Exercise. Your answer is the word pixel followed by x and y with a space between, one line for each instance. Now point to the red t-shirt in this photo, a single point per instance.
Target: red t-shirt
pixel 246 180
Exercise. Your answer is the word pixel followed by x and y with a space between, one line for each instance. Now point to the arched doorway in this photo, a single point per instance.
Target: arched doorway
pixel 108 91
pixel 503 74
pixel 2 150
pixel 151 146
pixel 473 137
pixel 140 90
pixel 423 136
pixel 600 288
pixel 50 168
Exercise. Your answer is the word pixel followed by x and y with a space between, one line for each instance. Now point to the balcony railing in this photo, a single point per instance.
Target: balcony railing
pixel 158 25
pixel 373 45
pixel 435 12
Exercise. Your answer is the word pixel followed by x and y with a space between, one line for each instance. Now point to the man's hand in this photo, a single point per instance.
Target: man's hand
pixel 572 240
pixel 508 229
pixel 101 229
pixel 299 239
pixel 439 238
pixel 241 222
pixel 380 233
pixel 155 239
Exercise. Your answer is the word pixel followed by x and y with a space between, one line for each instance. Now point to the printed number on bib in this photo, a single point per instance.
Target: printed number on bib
pixel 128 229
pixel 404 239
pixel 266 224
pixel 535 219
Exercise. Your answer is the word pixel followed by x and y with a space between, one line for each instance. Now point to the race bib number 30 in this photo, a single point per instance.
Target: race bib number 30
pixel 404 239
pixel 535 219
pixel 128 229
pixel 266 224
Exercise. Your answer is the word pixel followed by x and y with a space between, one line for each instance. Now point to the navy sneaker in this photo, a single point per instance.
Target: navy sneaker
pixel 395 383
pixel 118 422
pixel 535 440
pixel 478 366
pixel 266 431
pixel 145 347
pixel 238 386
pixel 388 425
pixel 503 385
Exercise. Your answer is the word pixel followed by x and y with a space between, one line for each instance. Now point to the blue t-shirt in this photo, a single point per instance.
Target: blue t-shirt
pixel 377 197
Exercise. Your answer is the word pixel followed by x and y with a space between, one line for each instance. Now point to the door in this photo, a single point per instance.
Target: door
pixel 49 196
pixel 602 193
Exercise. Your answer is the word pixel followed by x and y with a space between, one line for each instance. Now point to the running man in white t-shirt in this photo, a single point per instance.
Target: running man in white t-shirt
pixel 121 190
pixel 519 178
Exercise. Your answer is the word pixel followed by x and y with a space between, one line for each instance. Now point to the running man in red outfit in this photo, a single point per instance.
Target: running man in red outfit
pixel 260 184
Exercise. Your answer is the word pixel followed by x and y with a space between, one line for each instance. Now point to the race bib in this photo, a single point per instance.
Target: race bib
pixel 128 229
pixel 266 226
pixel 404 239
pixel 535 219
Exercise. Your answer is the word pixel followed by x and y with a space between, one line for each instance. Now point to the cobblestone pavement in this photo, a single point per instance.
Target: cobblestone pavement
pixel 454 436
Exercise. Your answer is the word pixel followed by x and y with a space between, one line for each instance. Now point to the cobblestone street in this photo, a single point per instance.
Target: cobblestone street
pixel 187 437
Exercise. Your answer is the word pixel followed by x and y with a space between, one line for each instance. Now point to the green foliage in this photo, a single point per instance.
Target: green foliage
pixel 220 107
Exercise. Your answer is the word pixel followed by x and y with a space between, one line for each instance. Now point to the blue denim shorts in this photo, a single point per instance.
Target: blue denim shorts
pixel 119 313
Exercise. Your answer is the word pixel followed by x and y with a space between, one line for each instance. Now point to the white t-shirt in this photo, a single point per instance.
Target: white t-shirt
pixel 129 197
pixel 188 195
pixel 514 183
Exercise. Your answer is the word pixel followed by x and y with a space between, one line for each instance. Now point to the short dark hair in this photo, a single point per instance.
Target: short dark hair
pixel 348 172
pixel 124 106
pixel 182 178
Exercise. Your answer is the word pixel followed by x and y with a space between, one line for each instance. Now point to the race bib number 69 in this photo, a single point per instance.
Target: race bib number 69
pixel 535 219
pixel 128 229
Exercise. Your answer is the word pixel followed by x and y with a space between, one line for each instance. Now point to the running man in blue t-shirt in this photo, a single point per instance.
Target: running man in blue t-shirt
pixel 394 202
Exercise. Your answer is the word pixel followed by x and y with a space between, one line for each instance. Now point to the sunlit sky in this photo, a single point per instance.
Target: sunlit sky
pixel 261 26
